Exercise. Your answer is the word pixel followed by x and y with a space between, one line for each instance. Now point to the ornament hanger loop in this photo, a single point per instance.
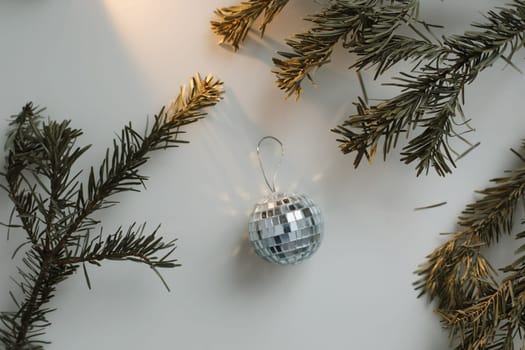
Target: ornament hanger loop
pixel 274 178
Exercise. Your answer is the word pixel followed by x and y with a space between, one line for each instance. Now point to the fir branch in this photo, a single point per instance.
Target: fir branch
pixel 494 319
pixel 380 48
pixel 431 96
pixel 457 270
pixel 55 206
pixel 476 330
pixel 22 329
pixel 132 245
pixel 119 169
pixel 479 313
pixel 234 22
pixel 366 27
pixel 21 142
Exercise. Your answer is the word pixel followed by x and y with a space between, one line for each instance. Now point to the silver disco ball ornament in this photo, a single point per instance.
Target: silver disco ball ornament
pixel 286 228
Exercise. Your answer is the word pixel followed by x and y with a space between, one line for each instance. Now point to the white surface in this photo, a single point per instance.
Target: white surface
pixel 103 63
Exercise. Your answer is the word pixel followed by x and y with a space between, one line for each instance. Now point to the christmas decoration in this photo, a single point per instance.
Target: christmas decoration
pixel 284 228
pixel 428 109
pixel 55 208
pixel 480 309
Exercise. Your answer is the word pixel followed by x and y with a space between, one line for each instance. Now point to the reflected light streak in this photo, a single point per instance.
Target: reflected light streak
pixel 129 20
pixel 143 29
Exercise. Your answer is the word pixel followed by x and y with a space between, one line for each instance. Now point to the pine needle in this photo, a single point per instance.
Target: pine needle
pixel 431 206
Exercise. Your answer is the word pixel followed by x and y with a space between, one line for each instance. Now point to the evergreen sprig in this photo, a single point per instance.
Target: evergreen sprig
pixel 365 27
pixel 234 22
pixel 432 94
pixel 380 34
pixel 55 207
pixel 478 312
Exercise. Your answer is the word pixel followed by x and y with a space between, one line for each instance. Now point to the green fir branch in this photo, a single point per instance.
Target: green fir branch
pixel 479 313
pixel 365 27
pixel 432 95
pixel 132 245
pixel 234 22
pixel 55 207
pixel 449 270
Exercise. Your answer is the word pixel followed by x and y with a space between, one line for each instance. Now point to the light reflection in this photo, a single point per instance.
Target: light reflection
pixel 317 177
pixel 152 34
pixel 242 194
pixel 130 19
pixel 225 197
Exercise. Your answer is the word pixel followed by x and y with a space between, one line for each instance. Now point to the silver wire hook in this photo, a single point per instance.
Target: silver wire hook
pixel 270 186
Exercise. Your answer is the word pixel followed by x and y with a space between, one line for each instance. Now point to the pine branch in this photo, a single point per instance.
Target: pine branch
pixel 478 330
pixel 119 169
pixel 55 209
pixel 20 139
pixel 493 320
pixel 380 48
pixel 366 27
pixel 235 21
pixel 133 245
pixel 457 270
pixel 22 329
pixel 431 95
pixel 479 313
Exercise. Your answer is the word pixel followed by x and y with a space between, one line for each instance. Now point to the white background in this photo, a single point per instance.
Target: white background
pixel 103 63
